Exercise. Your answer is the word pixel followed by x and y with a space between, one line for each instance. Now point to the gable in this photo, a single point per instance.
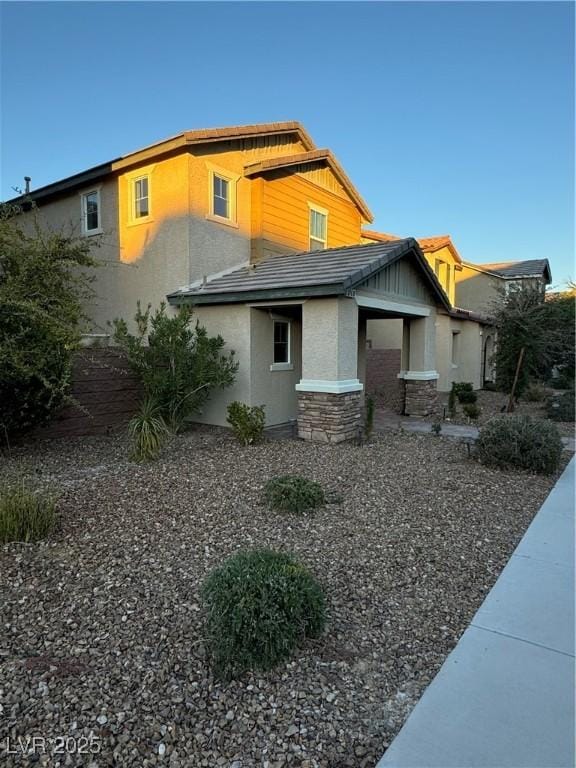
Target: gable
pixel 403 278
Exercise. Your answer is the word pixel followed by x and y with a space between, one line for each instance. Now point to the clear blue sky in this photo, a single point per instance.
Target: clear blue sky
pixel 449 117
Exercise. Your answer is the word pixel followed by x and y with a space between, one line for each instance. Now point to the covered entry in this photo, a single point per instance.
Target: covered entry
pixel 330 295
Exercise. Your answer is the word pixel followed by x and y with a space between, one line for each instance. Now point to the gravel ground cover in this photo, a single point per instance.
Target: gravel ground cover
pixel 102 630
pixel 491 404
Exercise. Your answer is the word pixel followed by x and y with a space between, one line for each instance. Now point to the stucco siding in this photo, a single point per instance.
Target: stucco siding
pixel 476 290
pixel 274 389
pixel 385 334
pixel 232 322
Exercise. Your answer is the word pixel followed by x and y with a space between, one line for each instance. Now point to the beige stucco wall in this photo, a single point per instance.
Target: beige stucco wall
pixel 423 343
pixel 330 339
pixel 385 334
pixel 232 322
pixel 468 364
pixel 274 388
pixel 477 290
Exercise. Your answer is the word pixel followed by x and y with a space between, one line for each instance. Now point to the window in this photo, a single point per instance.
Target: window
pixel 318 221
pixel 91 224
pixel 141 197
pixel 221 197
pixel 455 348
pixel 281 341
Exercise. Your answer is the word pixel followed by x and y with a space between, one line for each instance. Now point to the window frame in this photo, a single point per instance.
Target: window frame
pixel 285 365
pixel 455 349
pixel 133 181
pixel 312 207
pixel 84 211
pixel 215 172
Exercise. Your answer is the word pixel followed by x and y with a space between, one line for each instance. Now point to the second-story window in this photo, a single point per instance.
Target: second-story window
pixel 318 221
pixel 91 224
pixel 221 197
pixel 141 197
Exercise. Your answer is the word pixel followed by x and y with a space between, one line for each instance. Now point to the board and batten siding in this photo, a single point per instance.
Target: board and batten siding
pixel 400 279
pixel 285 214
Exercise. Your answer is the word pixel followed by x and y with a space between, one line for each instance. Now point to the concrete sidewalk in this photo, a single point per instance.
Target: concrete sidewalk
pixel 384 422
pixel 504 698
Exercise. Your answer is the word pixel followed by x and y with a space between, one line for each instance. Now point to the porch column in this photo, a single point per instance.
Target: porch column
pixel 421 378
pixel 329 393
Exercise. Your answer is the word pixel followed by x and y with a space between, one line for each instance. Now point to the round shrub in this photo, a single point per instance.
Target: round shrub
pixel 518 442
pixel 535 392
pixel 292 493
pixel 259 606
pixel 467 396
pixel 471 410
pixel 561 407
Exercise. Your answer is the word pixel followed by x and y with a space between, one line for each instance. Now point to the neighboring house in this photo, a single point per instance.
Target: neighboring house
pixel 478 286
pixel 262 233
pixel 464 339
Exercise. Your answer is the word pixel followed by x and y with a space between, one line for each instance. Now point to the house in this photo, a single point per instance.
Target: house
pixel 478 286
pixel 262 232
pixel 464 339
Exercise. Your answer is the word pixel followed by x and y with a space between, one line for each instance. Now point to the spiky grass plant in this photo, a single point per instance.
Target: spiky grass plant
pixel 25 514
pixel 148 431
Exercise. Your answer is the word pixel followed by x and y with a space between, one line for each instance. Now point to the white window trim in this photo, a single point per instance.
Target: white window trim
pixel 83 212
pixel 131 179
pixel 232 179
pixel 324 212
pixel 288 365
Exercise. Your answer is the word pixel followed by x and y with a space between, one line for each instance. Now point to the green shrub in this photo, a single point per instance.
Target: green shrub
pixel 564 381
pixel 148 431
pixel 489 386
pixel 291 493
pixel 472 410
pixel 535 392
pixel 259 606
pixel 247 422
pixel 177 362
pixel 436 427
pixel 510 442
pixel 466 395
pixel 452 401
pixel 369 417
pixel 561 407
pixel 25 515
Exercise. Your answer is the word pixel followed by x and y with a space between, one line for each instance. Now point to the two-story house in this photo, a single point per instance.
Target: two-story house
pixel 262 232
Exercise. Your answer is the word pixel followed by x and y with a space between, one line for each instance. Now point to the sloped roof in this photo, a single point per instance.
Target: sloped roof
pixel 314 156
pixel 330 272
pixel 427 244
pixel 518 269
pixel 186 138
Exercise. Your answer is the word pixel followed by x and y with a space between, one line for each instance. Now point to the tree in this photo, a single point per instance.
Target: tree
pixel 178 363
pixel 543 328
pixel 44 283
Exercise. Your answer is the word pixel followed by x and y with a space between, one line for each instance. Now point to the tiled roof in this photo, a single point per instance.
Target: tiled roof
pixel 381 237
pixel 329 272
pixel 519 269
pixel 427 244
pixel 303 158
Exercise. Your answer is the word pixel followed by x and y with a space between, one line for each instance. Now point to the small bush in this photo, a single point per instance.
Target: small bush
pixel 292 493
pixel 436 427
pixel 467 396
pixel 369 419
pixel 489 386
pixel 259 605
pixel 25 515
pixel 471 410
pixel 518 442
pixel 452 401
pixel 148 431
pixel 462 386
pixel 561 407
pixel 535 392
pixel 247 422
pixel 564 381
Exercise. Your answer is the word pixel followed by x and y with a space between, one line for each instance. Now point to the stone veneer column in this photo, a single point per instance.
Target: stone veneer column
pixel 421 397
pixel 330 396
pixel 329 417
